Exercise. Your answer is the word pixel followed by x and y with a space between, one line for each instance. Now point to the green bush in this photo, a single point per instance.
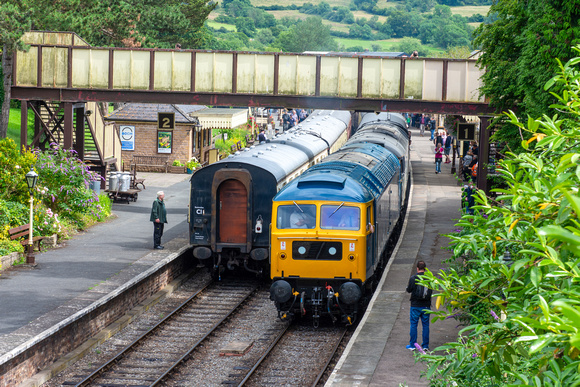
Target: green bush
pixel 7 247
pixel 12 214
pixel 14 166
pixel 63 184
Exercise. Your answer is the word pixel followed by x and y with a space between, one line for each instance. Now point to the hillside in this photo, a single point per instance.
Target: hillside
pixel 386 26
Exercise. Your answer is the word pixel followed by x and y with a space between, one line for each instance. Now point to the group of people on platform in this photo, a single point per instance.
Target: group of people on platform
pixel 291 117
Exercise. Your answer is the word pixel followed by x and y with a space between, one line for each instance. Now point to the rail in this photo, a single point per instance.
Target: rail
pixel 182 309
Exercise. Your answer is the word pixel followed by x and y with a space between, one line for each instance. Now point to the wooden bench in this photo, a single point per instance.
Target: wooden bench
pixel 150 161
pixel 249 140
pixel 21 231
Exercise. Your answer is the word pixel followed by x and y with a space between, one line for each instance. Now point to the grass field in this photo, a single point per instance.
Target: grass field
pixel 217 25
pixel 14 125
pixel 470 10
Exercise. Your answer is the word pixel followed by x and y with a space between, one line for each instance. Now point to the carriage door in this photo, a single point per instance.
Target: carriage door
pixel 233 212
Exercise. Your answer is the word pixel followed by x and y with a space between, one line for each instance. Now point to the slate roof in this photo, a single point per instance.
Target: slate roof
pixel 147 112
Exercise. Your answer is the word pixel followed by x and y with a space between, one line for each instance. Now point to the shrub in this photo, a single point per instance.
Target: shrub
pixel 7 247
pixel 63 183
pixel 14 166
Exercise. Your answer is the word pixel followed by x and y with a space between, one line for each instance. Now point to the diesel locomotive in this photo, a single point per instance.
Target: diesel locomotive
pixel 231 200
pixel 330 227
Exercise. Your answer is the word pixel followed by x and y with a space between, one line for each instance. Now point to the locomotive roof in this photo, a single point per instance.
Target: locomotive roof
pixel 387 137
pixel 395 119
pixel 287 152
pixel 357 173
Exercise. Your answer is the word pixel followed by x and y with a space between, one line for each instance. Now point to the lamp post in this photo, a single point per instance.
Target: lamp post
pixel 454 147
pixel 31 178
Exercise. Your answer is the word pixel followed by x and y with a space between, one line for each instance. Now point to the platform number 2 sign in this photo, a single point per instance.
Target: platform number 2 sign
pixel 166 120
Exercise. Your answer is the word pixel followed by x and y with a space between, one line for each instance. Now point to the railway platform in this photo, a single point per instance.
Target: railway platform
pixel 88 267
pixel 376 355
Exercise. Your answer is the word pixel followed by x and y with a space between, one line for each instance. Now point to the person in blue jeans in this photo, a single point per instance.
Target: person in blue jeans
pixel 420 308
pixel 438 157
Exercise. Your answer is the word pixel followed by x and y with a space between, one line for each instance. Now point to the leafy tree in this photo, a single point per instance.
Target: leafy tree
pixel 246 26
pixel 357 32
pixel 14 21
pixel 265 36
pixel 409 45
pixel 404 24
pixel 524 312
pixel 307 35
pixel 519 48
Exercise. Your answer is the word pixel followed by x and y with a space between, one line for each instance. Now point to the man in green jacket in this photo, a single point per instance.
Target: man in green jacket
pixel 159 218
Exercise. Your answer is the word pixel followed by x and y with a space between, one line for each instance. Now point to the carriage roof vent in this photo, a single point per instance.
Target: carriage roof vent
pixel 246 149
pixel 260 153
pixel 230 156
pixel 252 147
pixel 274 146
pixel 237 153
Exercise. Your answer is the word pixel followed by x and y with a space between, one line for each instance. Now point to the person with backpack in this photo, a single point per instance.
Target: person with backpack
pixel 448 144
pixel 420 306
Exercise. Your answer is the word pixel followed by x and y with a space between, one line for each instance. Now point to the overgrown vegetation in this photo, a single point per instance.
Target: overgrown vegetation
pixel 516 273
pixel 63 201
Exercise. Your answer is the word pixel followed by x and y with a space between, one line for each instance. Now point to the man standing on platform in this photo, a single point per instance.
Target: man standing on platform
pixel 420 306
pixel 159 218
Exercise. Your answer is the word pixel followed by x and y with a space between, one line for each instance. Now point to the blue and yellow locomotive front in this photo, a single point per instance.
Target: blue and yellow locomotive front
pixel 319 247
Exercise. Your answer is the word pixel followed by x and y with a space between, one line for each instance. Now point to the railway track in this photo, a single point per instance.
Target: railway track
pixel 298 357
pixel 154 355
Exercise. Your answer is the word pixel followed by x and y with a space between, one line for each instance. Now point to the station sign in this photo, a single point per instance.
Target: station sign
pixel 166 121
pixel 465 131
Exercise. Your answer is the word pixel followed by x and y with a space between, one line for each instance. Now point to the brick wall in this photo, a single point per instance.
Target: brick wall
pixel 146 143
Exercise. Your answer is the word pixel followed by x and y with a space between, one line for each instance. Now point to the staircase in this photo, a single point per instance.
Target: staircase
pixel 102 146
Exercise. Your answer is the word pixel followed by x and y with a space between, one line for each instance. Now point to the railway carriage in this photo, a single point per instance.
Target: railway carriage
pixel 231 200
pixel 331 226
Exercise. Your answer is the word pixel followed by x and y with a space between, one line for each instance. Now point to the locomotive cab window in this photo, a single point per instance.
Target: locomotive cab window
pixel 339 217
pixel 296 216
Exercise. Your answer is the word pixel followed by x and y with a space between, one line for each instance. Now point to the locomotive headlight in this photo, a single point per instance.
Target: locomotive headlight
pixel 349 293
pixel 280 291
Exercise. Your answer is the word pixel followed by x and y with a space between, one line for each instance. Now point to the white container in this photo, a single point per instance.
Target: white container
pixel 124 182
pixel 113 181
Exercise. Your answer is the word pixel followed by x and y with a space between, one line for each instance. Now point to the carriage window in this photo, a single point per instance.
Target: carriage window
pixel 296 216
pixel 339 217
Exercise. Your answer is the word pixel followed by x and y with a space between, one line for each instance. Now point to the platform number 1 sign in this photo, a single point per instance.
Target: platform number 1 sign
pixel 166 121
pixel 465 132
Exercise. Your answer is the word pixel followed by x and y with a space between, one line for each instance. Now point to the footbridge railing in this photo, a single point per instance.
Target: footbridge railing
pixel 74 71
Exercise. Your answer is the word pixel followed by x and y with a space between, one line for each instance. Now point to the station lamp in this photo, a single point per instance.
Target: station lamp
pixel 31 178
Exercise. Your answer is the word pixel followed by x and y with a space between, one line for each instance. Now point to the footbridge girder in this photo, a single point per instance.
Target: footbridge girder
pixel 75 72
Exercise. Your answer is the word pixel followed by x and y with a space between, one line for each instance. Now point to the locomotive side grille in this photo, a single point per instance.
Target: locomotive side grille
pixel 321 251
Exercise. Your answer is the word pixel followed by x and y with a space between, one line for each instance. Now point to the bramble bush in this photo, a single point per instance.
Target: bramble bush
pixel 524 312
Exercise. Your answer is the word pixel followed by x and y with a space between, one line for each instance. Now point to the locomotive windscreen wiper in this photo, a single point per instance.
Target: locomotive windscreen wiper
pixel 296 204
pixel 337 208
